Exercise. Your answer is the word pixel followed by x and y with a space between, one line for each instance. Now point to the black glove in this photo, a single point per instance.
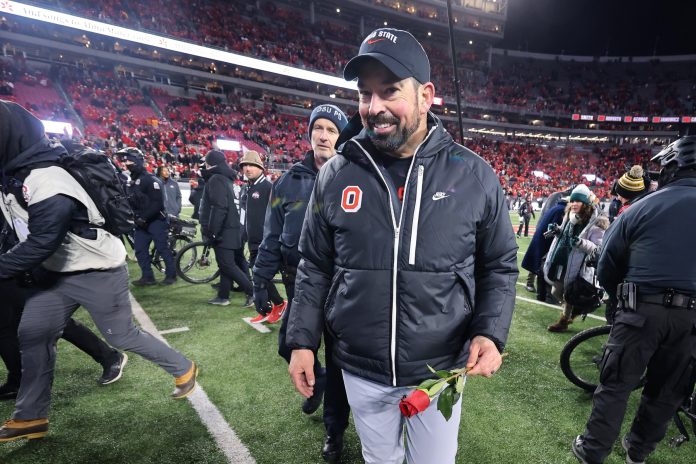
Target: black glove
pixel 140 222
pixel 261 300
pixel 552 231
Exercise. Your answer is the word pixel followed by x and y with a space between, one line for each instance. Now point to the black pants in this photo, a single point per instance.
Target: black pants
pixel 230 272
pixel 11 307
pixel 663 341
pixel 273 294
pixel 524 222
pixel 336 408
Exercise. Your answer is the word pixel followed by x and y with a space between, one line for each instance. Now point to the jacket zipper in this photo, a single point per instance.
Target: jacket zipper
pixel 392 344
pixel 416 216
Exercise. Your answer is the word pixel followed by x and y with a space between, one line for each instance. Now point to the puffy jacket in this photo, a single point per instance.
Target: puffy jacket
pixel 218 213
pixel 589 241
pixel 43 203
pixel 284 218
pixel 403 287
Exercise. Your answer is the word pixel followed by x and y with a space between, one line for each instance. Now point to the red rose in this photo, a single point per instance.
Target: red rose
pixel 417 401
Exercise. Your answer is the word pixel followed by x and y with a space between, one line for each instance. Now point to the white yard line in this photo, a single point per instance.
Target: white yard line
pixel 260 327
pixel 541 303
pixel 172 331
pixel 228 442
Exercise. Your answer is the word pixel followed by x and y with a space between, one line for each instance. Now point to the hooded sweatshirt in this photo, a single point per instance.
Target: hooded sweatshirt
pixel 41 200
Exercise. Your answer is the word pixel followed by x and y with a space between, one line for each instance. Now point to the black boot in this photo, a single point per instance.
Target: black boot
pixel 333 447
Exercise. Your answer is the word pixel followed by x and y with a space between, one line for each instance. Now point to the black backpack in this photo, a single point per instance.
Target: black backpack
pixel 96 173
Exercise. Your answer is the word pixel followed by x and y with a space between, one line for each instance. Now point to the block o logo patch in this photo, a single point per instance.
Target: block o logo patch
pixel 351 199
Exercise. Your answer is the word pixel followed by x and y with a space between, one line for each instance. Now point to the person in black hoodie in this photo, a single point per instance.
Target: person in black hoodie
pixel 220 226
pixel 81 266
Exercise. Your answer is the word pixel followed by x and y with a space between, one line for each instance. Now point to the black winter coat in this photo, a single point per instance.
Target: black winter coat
pixel 24 145
pixel 284 218
pixel 146 196
pixel 218 213
pixel 403 288
pixel 257 196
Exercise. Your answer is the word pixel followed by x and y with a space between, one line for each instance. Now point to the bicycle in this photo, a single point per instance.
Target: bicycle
pixel 196 264
pixel 180 233
pixel 581 363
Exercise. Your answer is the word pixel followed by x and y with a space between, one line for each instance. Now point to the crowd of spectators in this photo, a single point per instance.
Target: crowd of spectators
pixel 282 33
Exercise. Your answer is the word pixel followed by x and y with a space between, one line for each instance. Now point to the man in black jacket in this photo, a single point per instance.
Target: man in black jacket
pixel 648 263
pixel 151 224
pixel 256 199
pixel 526 211
pixel 408 258
pixel 220 225
pixel 278 251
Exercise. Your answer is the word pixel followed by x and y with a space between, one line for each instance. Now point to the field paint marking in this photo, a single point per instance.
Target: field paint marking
pixel 529 300
pixel 228 442
pixel 260 327
pixel 172 331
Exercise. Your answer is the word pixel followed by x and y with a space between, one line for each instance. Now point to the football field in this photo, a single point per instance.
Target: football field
pixel 527 413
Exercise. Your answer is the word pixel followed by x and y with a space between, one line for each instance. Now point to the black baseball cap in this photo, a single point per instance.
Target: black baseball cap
pixel 398 50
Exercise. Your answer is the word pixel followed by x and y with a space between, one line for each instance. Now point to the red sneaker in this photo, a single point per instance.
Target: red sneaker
pixel 259 319
pixel 277 312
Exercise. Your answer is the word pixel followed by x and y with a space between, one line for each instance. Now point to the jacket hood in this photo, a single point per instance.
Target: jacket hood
pixel 436 139
pixel 23 139
pixel 223 169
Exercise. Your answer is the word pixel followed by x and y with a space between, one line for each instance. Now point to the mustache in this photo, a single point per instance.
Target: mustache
pixel 381 119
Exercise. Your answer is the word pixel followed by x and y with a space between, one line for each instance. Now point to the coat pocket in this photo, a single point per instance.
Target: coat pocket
pixel 333 290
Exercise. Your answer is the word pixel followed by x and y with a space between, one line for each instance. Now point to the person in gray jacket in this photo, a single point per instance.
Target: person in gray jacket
pixel 408 258
pixel 172 193
pixel 579 236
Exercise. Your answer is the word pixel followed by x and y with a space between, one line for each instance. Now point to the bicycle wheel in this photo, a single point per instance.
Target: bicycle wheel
pixel 176 242
pixel 196 264
pixel 581 357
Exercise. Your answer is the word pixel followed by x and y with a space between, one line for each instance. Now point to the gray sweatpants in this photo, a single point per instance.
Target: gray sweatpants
pixel 380 425
pixel 104 294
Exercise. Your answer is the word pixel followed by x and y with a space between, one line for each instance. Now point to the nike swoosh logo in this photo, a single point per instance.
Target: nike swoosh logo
pixel 439 196
pixel 374 41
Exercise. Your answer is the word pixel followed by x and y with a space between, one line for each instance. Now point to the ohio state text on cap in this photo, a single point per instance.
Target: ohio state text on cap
pixel 397 50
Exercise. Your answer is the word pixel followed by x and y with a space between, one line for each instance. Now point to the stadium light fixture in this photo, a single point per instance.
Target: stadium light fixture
pixel 228 145
pixel 58 127
pixel 167 43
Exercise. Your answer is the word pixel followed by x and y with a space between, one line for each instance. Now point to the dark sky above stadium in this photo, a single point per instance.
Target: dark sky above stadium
pixel 591 27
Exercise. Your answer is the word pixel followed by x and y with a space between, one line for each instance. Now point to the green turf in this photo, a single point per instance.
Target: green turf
pixel 527 413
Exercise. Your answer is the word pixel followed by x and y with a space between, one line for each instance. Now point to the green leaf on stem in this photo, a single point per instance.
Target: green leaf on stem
pixel 431 368
pixel 459 387
pixel 445 402
pixel 435 388
pixel 443 374
pixel 427 384
pixel 456 397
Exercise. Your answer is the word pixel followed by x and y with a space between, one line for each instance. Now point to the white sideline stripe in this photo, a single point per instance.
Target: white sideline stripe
pixel 529 300
pixel 228 442
pixel 172 331
pixel 260 327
